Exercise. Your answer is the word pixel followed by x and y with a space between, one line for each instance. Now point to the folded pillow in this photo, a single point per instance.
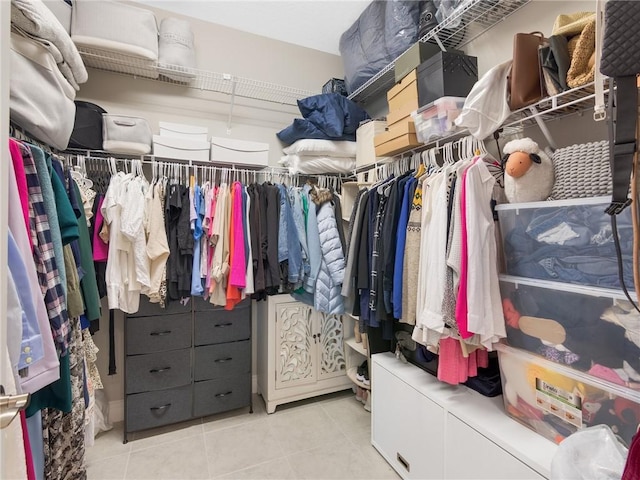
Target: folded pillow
pixel 308 164
pixel 330 148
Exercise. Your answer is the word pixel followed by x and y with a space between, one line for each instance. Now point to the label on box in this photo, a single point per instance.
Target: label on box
pixel 559 402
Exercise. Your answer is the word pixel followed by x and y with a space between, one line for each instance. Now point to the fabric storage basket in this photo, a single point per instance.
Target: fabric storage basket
pixel 566 241
pixel 176 52
pixel 593 330
pixel 239 152
pixel 180 148
pixel 126 134
pixel 119 37
pixel 556 401
pixel 40 98
pixel 365 148
pixel 181 130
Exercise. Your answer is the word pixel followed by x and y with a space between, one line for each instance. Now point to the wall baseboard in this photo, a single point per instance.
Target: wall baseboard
pixel 116 407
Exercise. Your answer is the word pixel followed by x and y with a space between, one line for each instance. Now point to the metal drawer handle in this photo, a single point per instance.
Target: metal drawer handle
pixel 162 407
pixel 159 370
pixel 223 360
pixel 220 395
pixel 160 334
pixel 228 324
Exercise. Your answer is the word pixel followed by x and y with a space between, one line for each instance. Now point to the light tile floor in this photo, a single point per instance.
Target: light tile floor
pixel 327 437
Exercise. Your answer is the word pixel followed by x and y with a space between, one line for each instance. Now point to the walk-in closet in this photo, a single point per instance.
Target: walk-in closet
pixel 317 239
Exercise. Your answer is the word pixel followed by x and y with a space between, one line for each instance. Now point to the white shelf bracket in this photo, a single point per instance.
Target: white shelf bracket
pixel 543 128
pixel 233 100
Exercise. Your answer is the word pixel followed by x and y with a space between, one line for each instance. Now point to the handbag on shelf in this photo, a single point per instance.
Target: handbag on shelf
pixel 126 134
pixel 87 129
pixel 526 85
pixel 581 171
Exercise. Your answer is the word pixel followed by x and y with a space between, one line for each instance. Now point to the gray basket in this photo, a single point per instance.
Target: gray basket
pixel 582 171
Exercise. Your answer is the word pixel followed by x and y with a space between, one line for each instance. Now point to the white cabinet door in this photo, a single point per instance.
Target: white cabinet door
pixel 295 345
pixel 470 455
pixel 330 341
pixel 407 428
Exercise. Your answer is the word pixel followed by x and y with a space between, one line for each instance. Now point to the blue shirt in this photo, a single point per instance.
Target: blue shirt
pixel 31 348
pixel 401 240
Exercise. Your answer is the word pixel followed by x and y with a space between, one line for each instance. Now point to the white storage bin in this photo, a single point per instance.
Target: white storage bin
pixel 594 330
pixel 180 148
pixel 365 147
pixel 556 401
pixel 126 134
pixel 124 38
pixel 181 130
pixel 62 11
pixel 239 152
pixel 436 119
pixel 566 241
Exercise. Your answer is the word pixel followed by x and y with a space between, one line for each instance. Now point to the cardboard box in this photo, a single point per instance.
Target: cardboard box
pixel 397 139
pixel 365 148
pixel 239 152
pixel 180 148
pixel 402 84
pixel 399 116
pixel 414 56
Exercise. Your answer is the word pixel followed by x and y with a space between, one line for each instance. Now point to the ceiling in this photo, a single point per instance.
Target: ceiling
pixel 315 24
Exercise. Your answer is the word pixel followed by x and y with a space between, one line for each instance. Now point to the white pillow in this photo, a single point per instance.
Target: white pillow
pixel 329 148
pixel 318 164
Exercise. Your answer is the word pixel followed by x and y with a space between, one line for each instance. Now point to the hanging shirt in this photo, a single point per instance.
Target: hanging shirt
pixel 157 243
pixel 250 286
pixel 220 266
pixel 196 282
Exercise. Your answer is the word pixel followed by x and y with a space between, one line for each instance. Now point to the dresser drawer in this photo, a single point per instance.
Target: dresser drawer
pixel 153 409
pixel 220 326
pixel 215 396
pixel 222 360
pixel 157 334
pixel 148 309
pixel 202 305
pixel 158 371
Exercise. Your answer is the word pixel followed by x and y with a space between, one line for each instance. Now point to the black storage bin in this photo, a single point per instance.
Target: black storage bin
pixel 335 85
pixel 87 129
pixel 446 74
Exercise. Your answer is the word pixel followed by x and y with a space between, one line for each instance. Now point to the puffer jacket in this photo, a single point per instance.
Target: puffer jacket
pixel 328 297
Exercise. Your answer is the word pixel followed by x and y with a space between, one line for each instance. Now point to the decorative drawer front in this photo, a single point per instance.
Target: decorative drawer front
pixel 148 309
pixel 158 371
pixel 158 334
pixel 221 326
pixel 153 409
pixel 215 396
pixel 223 360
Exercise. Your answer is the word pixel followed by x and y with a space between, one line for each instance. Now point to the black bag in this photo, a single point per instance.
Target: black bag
pixel 621 61
pixel 87 130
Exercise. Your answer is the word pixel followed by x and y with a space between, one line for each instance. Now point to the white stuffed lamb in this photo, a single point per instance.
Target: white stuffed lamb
pixel 528 171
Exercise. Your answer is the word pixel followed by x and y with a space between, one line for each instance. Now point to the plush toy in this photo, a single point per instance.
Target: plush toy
pixel 528 171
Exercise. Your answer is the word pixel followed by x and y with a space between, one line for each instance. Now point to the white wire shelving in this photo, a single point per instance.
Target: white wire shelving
pixel 192 78
pixel 467 23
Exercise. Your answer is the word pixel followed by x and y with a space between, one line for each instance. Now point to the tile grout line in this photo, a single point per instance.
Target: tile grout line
pixel 126 467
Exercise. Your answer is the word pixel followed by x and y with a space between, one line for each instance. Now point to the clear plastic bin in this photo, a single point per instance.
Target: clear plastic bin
pixel 435 119
pixel 593 330
pixel 556 401
pixel 568 241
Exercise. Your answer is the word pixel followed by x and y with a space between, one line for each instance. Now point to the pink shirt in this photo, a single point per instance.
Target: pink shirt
pixel 237 277
pixel 100 249
pixel 21 180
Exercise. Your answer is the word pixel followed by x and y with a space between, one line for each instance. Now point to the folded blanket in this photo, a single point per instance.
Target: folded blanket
pixel 34 18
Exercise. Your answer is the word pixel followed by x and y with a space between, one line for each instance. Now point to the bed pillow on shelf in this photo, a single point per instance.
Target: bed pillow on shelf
pixel 318 164
pixel 330 148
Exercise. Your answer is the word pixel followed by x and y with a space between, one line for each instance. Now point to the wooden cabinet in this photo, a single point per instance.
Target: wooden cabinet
pixel 300 352
pixel 189 360
pixel 427 429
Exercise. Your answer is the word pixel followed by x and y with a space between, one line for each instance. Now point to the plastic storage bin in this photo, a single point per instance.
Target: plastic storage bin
pixel 556 401
pixel 567 241
pixel 181 148
pixel 436 119
pixel 596 331
pixel 181 130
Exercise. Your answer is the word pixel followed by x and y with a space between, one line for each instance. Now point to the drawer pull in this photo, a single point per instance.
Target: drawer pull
pixel 403 462
pixel 160 334
pixel 159 370
pixel 162 407
pixel 220 395
pixel 219 325
pixel 223 360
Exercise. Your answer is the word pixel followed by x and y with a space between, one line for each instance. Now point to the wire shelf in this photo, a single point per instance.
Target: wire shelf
pixel 467 23
pixel 192 78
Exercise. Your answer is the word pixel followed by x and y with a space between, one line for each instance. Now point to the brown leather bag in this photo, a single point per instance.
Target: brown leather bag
pixel 526 85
